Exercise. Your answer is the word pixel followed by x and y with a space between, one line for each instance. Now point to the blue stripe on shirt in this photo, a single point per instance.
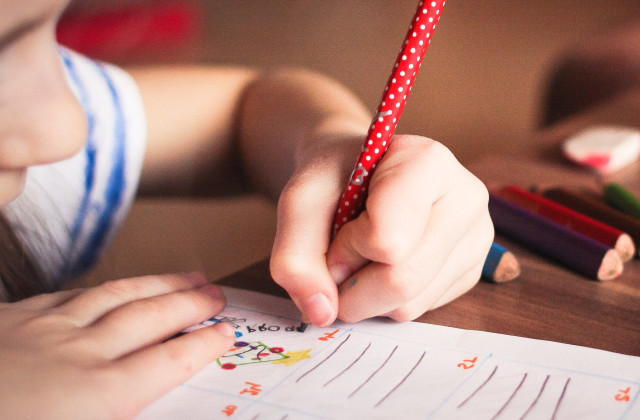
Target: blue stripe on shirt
pixel 115 184
pixel 90 147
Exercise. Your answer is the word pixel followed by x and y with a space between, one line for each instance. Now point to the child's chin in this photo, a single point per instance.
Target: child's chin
pixel 11 184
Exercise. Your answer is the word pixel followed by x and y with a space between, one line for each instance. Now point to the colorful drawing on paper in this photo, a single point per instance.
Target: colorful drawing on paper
pixel 379 369
pixel 244 353
pixel 293 357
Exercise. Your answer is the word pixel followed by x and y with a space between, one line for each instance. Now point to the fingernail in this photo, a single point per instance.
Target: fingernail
pixel 196 278
pixel 225 329
pixel 212 291
pixel 318 308
pixel 339 273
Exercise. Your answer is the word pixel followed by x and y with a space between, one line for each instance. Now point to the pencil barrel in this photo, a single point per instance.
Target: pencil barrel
pixel 596 209
pixel 622 199
pixel 572 249
pixel 493 259
pixel 570 219
pixel 562 215
pixel 389 110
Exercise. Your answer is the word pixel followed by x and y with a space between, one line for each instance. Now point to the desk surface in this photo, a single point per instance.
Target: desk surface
pixel 547 301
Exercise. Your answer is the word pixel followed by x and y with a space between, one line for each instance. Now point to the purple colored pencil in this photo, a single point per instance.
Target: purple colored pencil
pixel 576 251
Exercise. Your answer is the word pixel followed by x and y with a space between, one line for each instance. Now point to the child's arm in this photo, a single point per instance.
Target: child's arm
pixel 206 124
pixel 426 230
pixel 101 353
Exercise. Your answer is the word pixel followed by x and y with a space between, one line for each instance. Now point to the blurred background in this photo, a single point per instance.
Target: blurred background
pixel 479 90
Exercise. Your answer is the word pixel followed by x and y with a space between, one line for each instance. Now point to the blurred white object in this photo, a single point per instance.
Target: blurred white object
pixel 604 148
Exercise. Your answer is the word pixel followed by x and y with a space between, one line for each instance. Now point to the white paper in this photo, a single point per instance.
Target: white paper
pixel 380 369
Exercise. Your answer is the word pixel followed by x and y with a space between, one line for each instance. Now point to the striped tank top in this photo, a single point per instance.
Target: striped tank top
pixel 70 210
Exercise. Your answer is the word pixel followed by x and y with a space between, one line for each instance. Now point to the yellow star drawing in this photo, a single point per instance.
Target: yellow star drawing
pixel 293 357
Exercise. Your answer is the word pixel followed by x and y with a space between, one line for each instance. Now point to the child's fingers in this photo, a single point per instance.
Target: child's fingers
pixel 452 281
pixel 435 297
pixel 414 174
pixel 146 375
pixel 94 303
pixel 298 261
pixel 49 300
pixel 379 289
pixel 147 321
pixel 346 254
pixel 364 240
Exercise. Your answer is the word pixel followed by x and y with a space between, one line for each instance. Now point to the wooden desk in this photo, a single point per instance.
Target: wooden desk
pixel 547 301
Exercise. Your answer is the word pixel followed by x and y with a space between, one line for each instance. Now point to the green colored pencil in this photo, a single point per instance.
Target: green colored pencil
pixel 622 199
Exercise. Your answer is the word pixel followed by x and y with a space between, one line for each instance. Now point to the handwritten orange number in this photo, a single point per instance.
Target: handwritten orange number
pixel 328 336
pixel 229 410
pixel 468 363
pixel 623 394
pixel 252 389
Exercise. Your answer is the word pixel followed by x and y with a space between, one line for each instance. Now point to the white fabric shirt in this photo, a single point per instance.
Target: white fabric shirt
pixel 69 211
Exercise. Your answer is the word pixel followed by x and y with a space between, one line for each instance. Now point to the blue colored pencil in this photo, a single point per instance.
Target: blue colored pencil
pixel 501 265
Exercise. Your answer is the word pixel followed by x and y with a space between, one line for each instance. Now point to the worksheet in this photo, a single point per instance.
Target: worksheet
pixel 381 369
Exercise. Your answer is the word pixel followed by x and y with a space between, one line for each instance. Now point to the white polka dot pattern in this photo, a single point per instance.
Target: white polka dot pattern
pixel 393 100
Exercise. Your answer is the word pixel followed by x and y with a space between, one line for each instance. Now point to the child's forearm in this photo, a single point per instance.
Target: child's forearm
pixel 206 124
pixel 284 114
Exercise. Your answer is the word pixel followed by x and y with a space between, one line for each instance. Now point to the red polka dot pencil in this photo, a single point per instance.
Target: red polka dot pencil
pixel 388 113
pixel 386 118
pixel 571 219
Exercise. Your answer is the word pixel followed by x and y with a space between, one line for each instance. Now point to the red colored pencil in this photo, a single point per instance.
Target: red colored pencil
pixel 597 209
pixel 582 254
pixel 386 119
pixel 570 219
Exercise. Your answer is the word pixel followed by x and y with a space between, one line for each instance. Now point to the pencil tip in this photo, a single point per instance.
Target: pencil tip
pixel 508 268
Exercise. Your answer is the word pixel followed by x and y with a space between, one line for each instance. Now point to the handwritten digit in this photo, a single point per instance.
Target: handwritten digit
pixel 253 389
pixel 623 395
pixel 229 410
pixel 468 363
pixel 328 336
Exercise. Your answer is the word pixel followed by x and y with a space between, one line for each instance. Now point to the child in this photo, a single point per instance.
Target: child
pixel 76 136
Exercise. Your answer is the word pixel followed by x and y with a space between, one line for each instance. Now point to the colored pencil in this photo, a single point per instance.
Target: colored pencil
pixel 576 251
pixel 622 199
pixel 500 265
pixel 389 110
pixel 571 219
pixel 595 208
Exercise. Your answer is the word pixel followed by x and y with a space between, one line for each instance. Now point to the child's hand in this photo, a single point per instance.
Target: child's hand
pixel 99 353
pixel 420 243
